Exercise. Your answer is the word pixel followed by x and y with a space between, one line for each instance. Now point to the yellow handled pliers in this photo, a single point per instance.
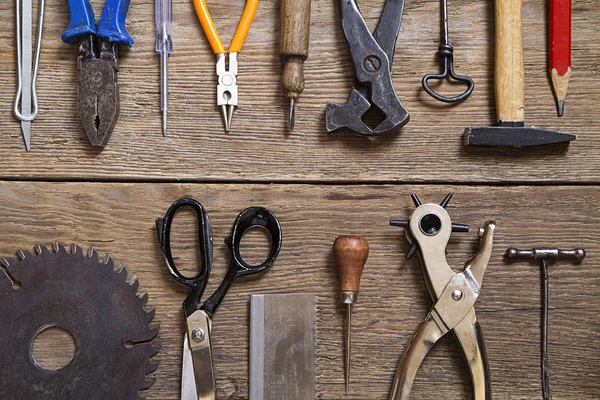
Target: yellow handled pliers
pixel 227 93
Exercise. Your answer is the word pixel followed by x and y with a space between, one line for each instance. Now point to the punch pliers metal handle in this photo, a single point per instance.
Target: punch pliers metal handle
pixel 454 296
pixel 227 67
pixel 97 92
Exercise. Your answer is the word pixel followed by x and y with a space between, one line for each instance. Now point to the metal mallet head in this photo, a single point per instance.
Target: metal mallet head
pixel 545 253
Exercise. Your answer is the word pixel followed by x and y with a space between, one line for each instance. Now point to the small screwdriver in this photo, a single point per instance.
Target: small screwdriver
pixel 293 49
pixel 164 46
pixel 350 254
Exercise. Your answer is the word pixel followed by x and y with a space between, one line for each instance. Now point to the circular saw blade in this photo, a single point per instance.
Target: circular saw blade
pixel 107 318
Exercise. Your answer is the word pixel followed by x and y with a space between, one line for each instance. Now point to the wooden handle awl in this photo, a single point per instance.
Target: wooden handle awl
pixel 350 253
pixel 293 44
pixel 509 75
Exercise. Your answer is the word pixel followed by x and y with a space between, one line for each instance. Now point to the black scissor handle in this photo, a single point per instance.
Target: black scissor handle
pixel 163 227
pixel 252 217
pixel 446 52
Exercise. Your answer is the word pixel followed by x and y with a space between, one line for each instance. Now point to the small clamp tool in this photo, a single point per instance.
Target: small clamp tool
pixel 98 92
pixel 428 230
pixel 198 375
pixel 372 56
pixel 227 66
pixel 545 255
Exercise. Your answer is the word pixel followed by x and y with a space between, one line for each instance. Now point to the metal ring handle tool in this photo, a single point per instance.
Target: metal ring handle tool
pixel 446 52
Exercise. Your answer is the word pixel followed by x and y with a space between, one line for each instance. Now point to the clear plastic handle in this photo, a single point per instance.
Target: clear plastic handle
pixel 164 18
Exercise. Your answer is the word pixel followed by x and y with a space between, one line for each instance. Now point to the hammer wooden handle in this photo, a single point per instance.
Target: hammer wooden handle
pixel 293 44
pixel 509 75
pixel 350 253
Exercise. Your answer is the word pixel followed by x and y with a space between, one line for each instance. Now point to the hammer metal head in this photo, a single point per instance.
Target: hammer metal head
pixel 509 135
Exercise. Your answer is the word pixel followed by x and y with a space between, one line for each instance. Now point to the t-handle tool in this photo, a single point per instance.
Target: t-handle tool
pixel 446 52
pixel 227 89
pixel 350 253
pixel 454 296
pixel 164 46
pixel 509 82
pixel 293 49
pixel 26 102
pixel 98 92
pixel 545 254
pixel 372 56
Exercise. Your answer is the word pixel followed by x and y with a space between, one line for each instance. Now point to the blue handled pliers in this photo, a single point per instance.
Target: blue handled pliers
pixel 97 92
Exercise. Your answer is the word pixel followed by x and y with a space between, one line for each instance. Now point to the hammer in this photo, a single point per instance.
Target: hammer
pixel 545 254
pixel 509 87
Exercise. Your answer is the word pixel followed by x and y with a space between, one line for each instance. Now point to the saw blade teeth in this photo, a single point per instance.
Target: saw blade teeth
pixel 4 262
pixel 38 249
pixel 150 313
pixel 21 254
pixel 92 253
pixel 147 383
pixel 143 298
pixel 122 270
pixel 76 250
pixel 55 247
pixel 108 260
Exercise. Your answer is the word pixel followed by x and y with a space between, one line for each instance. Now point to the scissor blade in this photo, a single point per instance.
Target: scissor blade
pixel 426 335
pixel 188 383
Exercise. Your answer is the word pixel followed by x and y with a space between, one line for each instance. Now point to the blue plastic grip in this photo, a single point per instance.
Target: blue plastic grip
pixel 112 23
pixel 83 21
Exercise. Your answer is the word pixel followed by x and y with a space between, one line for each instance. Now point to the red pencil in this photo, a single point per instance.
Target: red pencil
pixel 560 50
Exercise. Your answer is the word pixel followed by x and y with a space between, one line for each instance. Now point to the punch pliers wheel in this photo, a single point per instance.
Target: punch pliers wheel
pixel 98 92
pixel 227 66
pixel 454 295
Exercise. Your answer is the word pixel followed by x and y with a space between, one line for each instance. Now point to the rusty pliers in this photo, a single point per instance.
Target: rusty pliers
pixel 372 56
pixel 98 92
pixel 428 230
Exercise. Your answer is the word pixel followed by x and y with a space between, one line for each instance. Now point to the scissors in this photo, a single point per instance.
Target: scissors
pixel 454 295
pixel 197 377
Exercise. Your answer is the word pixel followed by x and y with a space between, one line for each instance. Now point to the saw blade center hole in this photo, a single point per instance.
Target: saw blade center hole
pixel 53 348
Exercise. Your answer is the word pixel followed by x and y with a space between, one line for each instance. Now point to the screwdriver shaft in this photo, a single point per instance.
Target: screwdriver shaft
pixel 348 343
pixel 164 88
pixel 164 46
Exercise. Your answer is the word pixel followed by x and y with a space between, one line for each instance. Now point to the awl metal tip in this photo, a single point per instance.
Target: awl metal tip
pixel 164 122
pixel 292 116
pixel 560 107
pixel 26 129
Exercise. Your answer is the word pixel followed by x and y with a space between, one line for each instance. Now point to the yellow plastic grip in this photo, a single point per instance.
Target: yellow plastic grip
pixel 209 27
pixel 244 26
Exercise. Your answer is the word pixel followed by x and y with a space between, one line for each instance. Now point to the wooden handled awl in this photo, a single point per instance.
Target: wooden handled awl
pixel 293 49
pixel 350 253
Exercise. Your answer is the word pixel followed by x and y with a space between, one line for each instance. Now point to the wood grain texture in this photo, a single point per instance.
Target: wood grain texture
pixel 119 218
pixel 428 149
pixel 509 73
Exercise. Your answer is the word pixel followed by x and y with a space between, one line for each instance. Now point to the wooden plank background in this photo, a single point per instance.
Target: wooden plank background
pixel 321 186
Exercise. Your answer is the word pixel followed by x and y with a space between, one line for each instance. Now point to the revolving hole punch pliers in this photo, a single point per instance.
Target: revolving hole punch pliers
pixel 98 92
pixel 372 56
pixel 227 66
pixel 454 295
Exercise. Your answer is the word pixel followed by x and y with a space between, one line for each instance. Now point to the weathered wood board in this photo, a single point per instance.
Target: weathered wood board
pixel 428 149
pixel 119 218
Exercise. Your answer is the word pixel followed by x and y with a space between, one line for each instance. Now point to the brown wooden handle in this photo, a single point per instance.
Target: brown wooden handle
pixel 350 253
pixel 293 44
pixel 509 75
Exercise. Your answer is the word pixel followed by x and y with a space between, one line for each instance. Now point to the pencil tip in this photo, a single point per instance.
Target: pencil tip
pixel 560 107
